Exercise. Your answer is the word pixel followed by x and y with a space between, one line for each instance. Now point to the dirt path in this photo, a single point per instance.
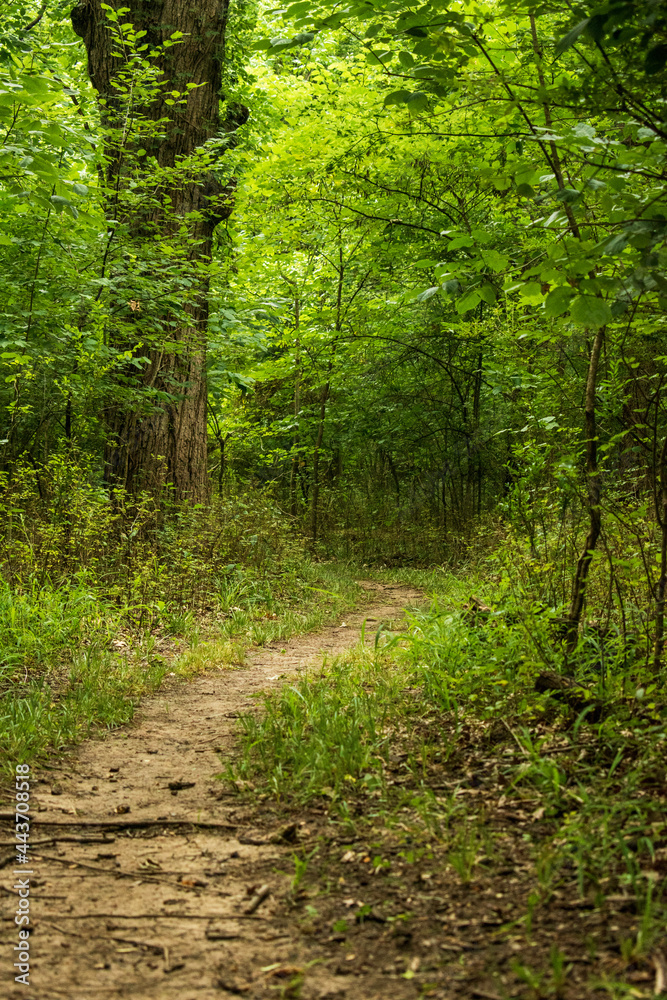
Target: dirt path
pixel 148 876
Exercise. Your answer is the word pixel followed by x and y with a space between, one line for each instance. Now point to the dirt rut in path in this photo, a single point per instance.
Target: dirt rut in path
pixel 149 880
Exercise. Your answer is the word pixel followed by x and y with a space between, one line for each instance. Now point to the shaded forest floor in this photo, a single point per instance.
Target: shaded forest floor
pixel 449 878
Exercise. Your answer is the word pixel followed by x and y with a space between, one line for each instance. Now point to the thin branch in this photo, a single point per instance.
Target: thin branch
pixel 378 218
pixel 36 20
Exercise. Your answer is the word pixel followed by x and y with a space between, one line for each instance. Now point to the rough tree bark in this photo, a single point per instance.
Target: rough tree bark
pixel 165 445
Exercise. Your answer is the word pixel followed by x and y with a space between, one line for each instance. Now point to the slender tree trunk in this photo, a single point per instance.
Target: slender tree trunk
pixel 296 457
pixel 661 516
pixel 160 441
pixel 476 409
pixel 593 476
pixel 314 514
pixel 553 148
pixel 222 441
pixel 594 516
pixel 315 497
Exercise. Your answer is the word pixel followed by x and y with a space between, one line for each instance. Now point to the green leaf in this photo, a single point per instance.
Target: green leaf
pixel 417 102
pixel 296 9
pixel 588 310
pixel 379 58
pixel 460 241
pixel 38 85
pixel 531 292
pixel 468 301
pixel 568 40
pixel 558 301
pixel 60 203
pixel 280 42
pixel 397 97
pixel 427 294
pixel 568 195
pixel 496 261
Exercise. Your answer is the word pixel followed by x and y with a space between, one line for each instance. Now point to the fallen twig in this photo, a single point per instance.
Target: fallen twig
pixel 157 949
pixel 120 824
pixel 65 838
pixel 46 917
pixel 256 901
pixel 142 875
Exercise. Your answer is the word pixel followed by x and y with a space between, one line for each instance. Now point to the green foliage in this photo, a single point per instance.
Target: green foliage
pixel 418 276
pixel 85 577
pixel 290 743
pixel 98 690
pixel 43 628
pixel 443 729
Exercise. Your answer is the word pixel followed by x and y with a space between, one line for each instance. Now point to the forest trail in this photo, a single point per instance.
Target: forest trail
pixel 150 881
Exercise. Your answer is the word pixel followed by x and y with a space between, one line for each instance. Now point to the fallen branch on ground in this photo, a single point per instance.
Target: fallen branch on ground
pixel 126 823
pixel 566 690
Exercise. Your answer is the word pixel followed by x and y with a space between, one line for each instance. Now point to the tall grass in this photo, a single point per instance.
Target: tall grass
pixel 91 587
pixel 320 735
pixel 41 627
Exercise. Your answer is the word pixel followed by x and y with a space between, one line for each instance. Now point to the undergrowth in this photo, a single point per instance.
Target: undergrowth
pixel 440 729
pixel 72 661
pixel 99 600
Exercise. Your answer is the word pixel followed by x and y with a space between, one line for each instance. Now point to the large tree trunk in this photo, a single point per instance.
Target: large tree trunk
pixel 157 433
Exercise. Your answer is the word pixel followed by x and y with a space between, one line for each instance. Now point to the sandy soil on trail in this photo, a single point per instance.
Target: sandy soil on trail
pixel 146 871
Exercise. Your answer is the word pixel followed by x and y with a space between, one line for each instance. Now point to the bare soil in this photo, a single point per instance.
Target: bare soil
pixel 151 882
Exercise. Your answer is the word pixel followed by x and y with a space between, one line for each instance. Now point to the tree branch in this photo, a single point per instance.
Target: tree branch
pixel 35 21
